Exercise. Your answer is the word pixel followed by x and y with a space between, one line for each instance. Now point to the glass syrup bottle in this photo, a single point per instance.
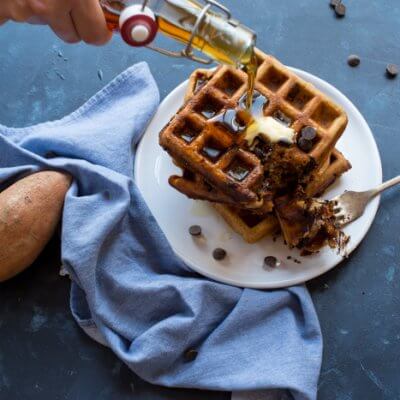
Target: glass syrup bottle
pixel 207 27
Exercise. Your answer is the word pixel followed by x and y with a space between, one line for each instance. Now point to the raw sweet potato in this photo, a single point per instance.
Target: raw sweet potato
pixel 30 210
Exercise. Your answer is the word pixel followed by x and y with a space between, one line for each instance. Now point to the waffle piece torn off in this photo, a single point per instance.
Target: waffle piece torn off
pixel 253 227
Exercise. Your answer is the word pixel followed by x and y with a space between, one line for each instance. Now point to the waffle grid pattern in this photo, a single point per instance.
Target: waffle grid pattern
pixel 210 149
pixel 205 151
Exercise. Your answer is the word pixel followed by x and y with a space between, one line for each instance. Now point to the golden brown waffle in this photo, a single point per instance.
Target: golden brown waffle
pixel 210 150
pixel 254 227
pixel 194 186
pixel 302 103
pixel 337 165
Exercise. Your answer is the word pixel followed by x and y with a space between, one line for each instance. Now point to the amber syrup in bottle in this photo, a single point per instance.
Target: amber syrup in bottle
pixel 223 41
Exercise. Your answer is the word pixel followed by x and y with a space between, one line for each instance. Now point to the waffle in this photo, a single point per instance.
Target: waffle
pixel 254 227
pixel 307 223
pixel 195 187
pixel 336 165
pixel 210 150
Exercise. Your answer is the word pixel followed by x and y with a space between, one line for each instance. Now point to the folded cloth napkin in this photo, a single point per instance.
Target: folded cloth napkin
pixel 171 326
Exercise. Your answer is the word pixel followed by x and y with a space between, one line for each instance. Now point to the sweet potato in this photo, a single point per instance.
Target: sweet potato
pixel 30 210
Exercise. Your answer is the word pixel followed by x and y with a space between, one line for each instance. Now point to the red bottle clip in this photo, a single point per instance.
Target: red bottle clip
pixel 138 26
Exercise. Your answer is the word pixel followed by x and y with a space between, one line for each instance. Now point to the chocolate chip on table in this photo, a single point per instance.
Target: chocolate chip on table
pixel 50 154
pixel 340 10
pixel 305 144
pixel 392 70
pixel 334 3
pixel 195 230
pixel 219 254
pixel 353 60
pixel 308 133
pixel 190 355
pixel 271 262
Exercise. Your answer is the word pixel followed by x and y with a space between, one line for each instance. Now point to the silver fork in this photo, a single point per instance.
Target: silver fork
pixel 351 205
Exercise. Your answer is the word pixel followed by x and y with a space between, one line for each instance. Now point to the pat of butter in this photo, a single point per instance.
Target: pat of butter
pixel 271 129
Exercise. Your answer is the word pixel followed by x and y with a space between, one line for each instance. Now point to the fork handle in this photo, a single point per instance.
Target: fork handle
pixel 386 185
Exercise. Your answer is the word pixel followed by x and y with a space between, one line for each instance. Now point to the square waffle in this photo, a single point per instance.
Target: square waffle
pixel 209 150
pixel 195 187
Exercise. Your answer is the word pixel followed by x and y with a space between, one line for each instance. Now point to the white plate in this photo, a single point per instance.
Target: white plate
pixel 244 264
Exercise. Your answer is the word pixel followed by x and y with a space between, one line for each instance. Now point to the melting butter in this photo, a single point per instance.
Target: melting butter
pixel 271 129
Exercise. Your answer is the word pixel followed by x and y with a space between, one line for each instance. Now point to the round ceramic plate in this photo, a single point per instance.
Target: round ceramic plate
pixel 244 265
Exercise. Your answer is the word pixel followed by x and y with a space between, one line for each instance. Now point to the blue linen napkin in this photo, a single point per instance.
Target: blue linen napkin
pixel 130 291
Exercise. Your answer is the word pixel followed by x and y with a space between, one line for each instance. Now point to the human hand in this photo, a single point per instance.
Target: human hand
pixel 71 20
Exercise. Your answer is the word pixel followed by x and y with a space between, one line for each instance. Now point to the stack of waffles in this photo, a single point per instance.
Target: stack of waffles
pixel 259 188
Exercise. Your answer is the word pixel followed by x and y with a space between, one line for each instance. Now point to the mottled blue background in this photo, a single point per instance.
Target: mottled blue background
pixel 44 355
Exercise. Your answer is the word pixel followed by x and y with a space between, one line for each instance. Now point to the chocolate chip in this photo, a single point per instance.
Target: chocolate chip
pixel 195 230
pixel 50 154
pixel 308 133
pixel 305 144
pixel 271 262
pixel 334 3
pixel 190 355
pixel 392 70
pixel 353 60
pixel 219 254
pixel 340 10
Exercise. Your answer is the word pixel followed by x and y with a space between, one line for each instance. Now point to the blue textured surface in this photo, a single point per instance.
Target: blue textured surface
pixel 358 303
